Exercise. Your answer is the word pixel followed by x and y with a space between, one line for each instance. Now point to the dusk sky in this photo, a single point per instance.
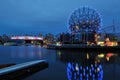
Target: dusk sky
pixel 35 16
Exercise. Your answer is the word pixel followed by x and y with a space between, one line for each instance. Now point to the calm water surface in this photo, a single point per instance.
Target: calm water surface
pixel 65 65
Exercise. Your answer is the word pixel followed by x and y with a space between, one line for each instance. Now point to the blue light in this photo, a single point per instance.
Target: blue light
pixel 77 72
pixel 93 69
pixel 77 64
pixel 90 74
pixel 81 67
pixel 100 66
pixel 93 76
pixel 80 75
pixel 91 65
pixel 80 78
pixel 75 76
pixel 87 67
pixel 84 73
pixel 84 69
pixel 72 67
pixel 81 72
pixel 69 73
pixel 87 76
pixel 95 65
pixel 100 79
pixel 69 65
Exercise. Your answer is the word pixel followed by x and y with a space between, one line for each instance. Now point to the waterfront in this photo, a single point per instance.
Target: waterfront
pixel 65 65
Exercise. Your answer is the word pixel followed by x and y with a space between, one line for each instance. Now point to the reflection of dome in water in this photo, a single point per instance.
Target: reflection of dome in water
pixel 84 18
pixel 91 72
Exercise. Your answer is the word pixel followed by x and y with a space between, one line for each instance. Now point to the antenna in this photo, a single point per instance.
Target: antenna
pixel 114 30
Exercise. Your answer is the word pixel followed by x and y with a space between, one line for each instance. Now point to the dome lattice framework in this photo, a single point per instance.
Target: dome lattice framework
pixel 84 18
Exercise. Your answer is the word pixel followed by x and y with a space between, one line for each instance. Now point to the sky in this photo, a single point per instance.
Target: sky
pixel 44 16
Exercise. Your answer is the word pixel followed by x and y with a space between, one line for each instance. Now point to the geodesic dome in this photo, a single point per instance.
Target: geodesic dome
pixel 84 18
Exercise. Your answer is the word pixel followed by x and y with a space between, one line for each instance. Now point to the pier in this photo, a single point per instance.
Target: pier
pixel 83 47
pixel 23 70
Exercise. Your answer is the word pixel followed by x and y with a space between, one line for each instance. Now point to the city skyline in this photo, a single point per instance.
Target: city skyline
pixel 44 16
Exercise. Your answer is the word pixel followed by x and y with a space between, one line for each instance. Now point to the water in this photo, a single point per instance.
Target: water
pixel 65 65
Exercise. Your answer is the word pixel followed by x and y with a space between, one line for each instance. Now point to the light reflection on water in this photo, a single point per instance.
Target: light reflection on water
pixel 19 54
pixel 86 72
pixel 91 69
pixel 65 65
pixel 26 52
pixel 91 65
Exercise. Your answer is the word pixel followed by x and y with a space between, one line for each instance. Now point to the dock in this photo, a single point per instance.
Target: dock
pixel 23 70
pixel 83 47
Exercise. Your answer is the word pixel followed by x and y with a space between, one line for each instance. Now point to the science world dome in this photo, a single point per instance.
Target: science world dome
pixel 84 19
